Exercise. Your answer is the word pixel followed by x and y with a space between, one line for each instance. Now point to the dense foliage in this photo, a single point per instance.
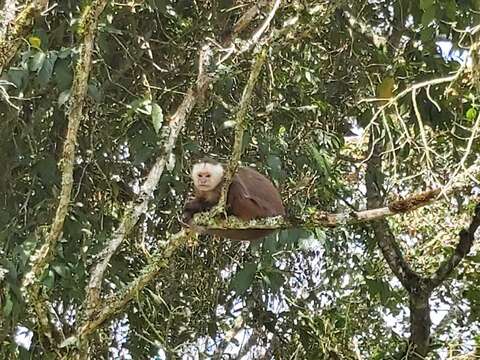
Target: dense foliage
pixel 301 294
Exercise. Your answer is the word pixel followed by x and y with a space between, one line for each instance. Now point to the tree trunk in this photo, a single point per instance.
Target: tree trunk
pixel 420 324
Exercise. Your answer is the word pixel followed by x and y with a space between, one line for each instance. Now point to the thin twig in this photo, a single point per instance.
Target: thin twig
pixel 468 150
pixel 422 128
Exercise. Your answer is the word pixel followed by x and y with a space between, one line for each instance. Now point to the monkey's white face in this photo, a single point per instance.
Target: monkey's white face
pixel 207 176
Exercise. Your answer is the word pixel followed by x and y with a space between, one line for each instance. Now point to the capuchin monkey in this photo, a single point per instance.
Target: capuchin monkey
pixel 250 196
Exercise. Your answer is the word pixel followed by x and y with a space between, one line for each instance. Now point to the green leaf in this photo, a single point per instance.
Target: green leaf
pixel 451 9
pixel 63 73
pixel 321 159
pixel 94 92
pixel 35 63
pixel 320 235
pixel 426 4
pixel 308 76
pixel 8 307
pixel 63 53
pixel 244 278
pixel 270 244
pixel 157 117
pixel 63 97
pixel 141 147
pixel 45 73
pixel 474 258
pixel 4 217
pixel 385 88
pixel 428 16
pixel 275 165
pixel 378 287
pixel 18 77
pixel 49 280
pixel 274 279
pixel 35 42
pixel 471 114
pixel 426 35
pixel 47 170
pixel 60 270
pixel 289 236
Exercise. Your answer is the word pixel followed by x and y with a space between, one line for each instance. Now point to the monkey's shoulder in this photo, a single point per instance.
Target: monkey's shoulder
pixel 210 197
pixel 258 189
pixel 252 182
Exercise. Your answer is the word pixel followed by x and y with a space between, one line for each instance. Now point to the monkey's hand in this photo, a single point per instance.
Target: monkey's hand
pixel 218 211
pixel 191 208
pixel 187 217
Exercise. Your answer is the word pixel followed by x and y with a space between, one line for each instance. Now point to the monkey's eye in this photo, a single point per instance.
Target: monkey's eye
pixel 200 175
pixel 207 176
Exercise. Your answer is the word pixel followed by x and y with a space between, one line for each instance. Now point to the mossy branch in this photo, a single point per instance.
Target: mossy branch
pixel 112 305
pixel 467 237
pixel 18 30
pixel 44 255
pixel 241 123
pixel 318 218
pixel 115 303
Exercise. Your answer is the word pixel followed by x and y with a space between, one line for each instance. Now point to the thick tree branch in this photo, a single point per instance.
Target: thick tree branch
pixel 383 236
pixel 16 32
pixel 241 115
pixel 394 257
pixel 420 324
pixel 43 256
pixel 8 11
pixel 321 218
pixel 467 236
pixel 418 292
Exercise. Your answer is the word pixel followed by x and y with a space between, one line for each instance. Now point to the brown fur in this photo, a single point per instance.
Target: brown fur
pixel 250 196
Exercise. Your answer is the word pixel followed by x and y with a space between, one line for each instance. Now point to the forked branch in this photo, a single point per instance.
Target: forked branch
pixel 467 236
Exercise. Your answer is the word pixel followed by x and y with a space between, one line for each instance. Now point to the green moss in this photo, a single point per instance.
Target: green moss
pixel 85 19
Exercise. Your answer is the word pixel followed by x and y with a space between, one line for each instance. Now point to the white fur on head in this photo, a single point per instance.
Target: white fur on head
pixel 201 181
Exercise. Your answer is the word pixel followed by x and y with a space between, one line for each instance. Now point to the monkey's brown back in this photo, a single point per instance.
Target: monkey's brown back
pixel 251 196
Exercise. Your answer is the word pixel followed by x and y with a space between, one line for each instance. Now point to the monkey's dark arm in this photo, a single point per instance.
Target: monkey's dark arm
pixel 194 206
